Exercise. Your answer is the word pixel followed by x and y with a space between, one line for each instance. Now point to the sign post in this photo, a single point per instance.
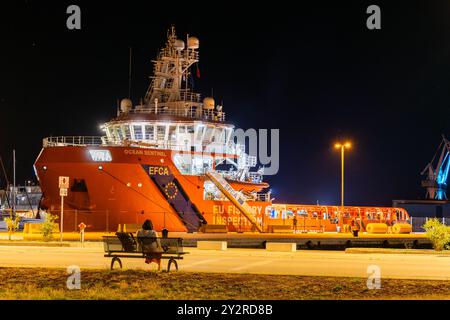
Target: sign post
pixel 63 186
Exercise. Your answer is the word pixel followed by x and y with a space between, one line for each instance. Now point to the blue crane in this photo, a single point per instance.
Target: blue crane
pixel 436 172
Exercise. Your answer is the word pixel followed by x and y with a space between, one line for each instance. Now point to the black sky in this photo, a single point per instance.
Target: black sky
pixel 312 70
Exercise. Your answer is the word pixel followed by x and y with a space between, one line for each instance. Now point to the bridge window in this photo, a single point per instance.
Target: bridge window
pixel 173 133
pixel 109 133
pixel 217 135
pixel 208 135
pixel 149 132
pixel 126 132
pixel 137 132
pixel 199 135
pixel 227 133
pixel 118 133
pixel 161 132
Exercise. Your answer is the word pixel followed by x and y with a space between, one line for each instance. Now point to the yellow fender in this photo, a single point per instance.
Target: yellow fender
pixel 377 228
pixel 401 228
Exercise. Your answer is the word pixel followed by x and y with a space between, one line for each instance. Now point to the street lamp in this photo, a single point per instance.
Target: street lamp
pixel 342 146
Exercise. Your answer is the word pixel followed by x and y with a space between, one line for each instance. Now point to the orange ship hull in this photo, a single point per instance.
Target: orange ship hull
pixel 124 191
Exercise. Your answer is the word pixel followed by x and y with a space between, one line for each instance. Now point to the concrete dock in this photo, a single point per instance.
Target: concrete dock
pixel 319 241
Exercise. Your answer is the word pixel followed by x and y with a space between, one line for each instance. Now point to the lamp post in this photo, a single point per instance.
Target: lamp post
pixel 342 146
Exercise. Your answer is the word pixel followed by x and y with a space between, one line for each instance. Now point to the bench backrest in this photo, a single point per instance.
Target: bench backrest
pixel 127 240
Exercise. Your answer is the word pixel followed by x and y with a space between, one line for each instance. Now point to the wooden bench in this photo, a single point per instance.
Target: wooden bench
pixel 125 245
pixel 214 228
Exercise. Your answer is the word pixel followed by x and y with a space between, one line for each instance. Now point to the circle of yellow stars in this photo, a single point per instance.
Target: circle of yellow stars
pixel 171 190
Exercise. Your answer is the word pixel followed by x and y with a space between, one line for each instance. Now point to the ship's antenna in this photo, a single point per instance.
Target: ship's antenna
pixel 129 75
pixel 187 71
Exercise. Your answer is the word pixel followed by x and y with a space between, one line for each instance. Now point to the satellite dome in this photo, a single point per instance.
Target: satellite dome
pixel 208 103
pixel 126 105
pixel 179 44
pixel 193 43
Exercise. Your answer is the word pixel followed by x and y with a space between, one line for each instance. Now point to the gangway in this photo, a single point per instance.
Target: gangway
pixel 237 198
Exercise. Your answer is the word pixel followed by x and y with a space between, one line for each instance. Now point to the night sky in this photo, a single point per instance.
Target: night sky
pixel 313 71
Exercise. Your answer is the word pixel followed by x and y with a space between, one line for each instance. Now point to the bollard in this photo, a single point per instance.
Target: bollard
pixel 82 226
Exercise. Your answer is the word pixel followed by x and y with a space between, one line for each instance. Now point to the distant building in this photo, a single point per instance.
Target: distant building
pixel 425 208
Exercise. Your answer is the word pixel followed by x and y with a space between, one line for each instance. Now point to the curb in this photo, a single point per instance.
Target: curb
pixel 67 244
pixel 396 251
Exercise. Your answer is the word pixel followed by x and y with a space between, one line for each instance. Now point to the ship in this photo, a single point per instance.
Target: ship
pixel 172 159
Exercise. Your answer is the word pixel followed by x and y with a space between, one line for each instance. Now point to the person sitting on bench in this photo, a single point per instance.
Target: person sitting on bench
pixel 149 243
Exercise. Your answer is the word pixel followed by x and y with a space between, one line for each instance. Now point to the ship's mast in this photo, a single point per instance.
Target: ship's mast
pixel 170 70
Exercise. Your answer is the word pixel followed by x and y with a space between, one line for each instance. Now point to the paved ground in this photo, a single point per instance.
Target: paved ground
pixel 258 261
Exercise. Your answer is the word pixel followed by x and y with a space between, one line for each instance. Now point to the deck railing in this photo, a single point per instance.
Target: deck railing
pixel 193 113
pixel 73 141
pixel 216 148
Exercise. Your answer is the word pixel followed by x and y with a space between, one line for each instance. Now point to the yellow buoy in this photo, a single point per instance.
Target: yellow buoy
pixel 401 228
pixel 377 228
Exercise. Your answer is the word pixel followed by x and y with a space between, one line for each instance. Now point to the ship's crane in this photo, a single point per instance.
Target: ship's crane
pixel 436 172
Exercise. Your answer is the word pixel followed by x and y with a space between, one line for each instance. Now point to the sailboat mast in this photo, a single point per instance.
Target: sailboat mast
pixel 14 184
pixel 7 182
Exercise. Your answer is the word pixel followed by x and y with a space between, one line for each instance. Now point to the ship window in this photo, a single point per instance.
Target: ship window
pixel 183 163
pixel 127 132
pixel 173 133
pixel 227 134
pixel 211 192
pixel 137 132
pixel 109 133
pixel 218 135
pixel 118 133
pixel 182 129
pixel 149 132
pixel 112 134
pixel 190 129
pixel 200 131
pixel 100 155
pixel 208 135
pixel 224 135
pixel 161 132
